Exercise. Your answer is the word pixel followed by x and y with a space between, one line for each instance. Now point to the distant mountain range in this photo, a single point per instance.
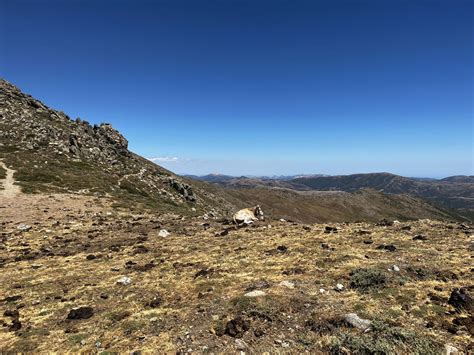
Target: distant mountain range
pixel 454 192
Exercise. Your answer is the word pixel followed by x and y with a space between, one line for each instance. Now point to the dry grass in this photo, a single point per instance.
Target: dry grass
pixel 201 279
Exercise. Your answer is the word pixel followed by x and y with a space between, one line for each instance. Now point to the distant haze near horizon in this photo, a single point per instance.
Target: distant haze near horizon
pixel 258 87
pixel 198 168
pixel 240 168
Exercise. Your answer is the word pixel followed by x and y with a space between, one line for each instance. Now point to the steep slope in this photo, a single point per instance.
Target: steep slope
pixel 52 153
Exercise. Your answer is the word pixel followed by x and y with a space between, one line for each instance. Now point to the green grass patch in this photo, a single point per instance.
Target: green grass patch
pixel 384 339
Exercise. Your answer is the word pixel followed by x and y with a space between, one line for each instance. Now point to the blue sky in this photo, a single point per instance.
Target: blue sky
pixel 258 87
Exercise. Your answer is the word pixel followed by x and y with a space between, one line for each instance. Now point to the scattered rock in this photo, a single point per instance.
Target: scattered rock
pixel 467 322
pixel 461 299
pixel 394 268
pixel 385 223
pixel 240 344
pixel 12 313
pixel 449 350
pixel 388 247
pixel 326 246
pixel 329 229
pixel 155 302
pixel 16 325
pixel 282 248
pixel 255 293
pixel 355 321
pixel 287 284
pixel 163 233
pixel 420 237
pixel 257 285
pixel 124 280
pixel 23 227
pixel 237 327
pixel 80 313
pixel 339 287
pixel 204 273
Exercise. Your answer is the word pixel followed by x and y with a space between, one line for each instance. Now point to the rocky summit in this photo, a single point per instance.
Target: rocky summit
pixel 102 251
pixel 50 152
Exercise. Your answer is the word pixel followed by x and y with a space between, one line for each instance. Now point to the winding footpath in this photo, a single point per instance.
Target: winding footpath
pixel 8 188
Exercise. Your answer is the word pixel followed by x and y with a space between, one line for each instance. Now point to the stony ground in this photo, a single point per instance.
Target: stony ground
pixel 79 275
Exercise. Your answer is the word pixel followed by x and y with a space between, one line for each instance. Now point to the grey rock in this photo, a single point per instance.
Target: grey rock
pixel 355 321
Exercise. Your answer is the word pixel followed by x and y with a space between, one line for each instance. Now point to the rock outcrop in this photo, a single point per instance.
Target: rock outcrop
pixel 52 152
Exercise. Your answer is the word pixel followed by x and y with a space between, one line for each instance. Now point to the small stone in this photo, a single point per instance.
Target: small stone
pixel 23 227
pixel 287 284
pixel 237 327
pixel 339 287
pixel 255 293
pixel 163 233
pixel 389 247
pixel 461 299
pixel 395 268
pixel 154 319
pixel 240 344
pixel 420 237
pixel 449 349
pixel 322 290
pixel 80 313
pixel 16 325
pixel 155 302
pixel 12 313
pixel 355 321
pixel 124 280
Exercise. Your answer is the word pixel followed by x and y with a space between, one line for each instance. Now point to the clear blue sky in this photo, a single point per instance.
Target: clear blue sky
pixel 258 87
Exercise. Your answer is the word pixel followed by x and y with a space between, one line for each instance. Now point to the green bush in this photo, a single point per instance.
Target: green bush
pixel 384 339
pixel 365 280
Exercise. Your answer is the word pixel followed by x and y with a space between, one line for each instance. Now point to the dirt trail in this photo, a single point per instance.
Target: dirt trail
pixel 9 190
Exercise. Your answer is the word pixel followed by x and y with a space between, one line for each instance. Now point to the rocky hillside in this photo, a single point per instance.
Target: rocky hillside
pixel 53 153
